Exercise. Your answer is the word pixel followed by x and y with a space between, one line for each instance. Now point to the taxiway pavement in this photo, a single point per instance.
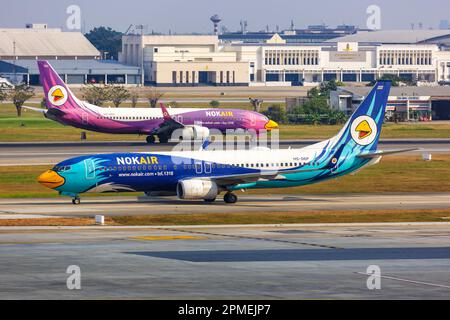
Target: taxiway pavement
pixel 120 206
pixel 230 262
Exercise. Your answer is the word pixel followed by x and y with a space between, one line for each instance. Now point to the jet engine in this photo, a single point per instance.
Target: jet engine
pixel 197 189
pixel 194 133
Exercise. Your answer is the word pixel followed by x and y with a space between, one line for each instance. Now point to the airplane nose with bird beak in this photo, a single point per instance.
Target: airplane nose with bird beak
pixel 50 179
pixel 271 125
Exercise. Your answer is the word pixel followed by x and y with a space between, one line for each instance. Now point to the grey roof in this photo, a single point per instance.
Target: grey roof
pixel 45 42
pixel 434 91
pixel 90 66
pixel 394 36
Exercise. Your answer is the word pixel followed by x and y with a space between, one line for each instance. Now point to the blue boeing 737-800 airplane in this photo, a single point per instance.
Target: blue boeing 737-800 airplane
pixel 204 174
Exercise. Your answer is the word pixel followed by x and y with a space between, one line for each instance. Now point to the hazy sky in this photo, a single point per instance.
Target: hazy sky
pixel 193 15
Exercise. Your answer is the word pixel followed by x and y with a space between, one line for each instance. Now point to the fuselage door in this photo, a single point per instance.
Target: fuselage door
pixel 84 118
pixel 198 167
pixel 207 167
pixel 89 165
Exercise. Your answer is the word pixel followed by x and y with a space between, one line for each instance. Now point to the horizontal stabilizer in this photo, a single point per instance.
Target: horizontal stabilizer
pixel 384 153
pixel 35 109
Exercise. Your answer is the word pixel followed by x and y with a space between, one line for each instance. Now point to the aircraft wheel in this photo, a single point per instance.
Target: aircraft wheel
pixel 163 139
pixel 76 200
pixel 150 139
pixel 210 200
pixel 230 197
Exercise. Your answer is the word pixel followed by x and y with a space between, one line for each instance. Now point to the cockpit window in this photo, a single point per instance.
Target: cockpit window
pixel 61 168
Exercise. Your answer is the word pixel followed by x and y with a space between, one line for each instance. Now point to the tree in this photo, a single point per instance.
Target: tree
pixel 327 86
pixel 395 80
pixel 324 89
pixel 214 103
pixel 95 94
pixel 106 39
pixel 312 111
pixel 313 118
pixel 336 117
pixel 314 92
pixel 19 95
pixel 3 93
pixel 118 94
pixel 134 98
pixel 316 105
pixel 174 104
pixel 276 113
pixel 154 97
pixel 256 104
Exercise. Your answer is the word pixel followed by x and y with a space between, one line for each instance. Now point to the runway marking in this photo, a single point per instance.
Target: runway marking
pixel 253 238
pixel 158 238
pixel 406 280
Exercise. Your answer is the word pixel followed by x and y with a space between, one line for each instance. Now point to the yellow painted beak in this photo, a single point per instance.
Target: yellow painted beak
pixel 50 179
pixel 363 129
pixel 271 125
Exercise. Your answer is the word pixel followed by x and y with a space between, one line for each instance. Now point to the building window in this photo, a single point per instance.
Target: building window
pixel 181 76
pixel 174 77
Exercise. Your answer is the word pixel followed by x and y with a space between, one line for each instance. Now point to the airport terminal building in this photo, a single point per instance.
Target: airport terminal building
pixel 190 60
pixel 70 53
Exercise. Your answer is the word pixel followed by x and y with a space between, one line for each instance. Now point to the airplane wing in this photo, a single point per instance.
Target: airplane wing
pixel 227 180
pixel 380 153
pixel 168 120
pixel 169 124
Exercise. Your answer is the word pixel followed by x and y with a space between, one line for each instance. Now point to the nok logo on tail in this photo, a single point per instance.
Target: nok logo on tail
pixel 57 95
pixel 364 130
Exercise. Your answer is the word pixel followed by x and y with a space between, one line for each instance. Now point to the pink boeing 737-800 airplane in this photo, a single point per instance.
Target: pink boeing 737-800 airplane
pixel 64 107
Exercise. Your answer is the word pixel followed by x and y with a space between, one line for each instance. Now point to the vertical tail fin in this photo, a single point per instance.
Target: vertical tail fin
pixel 362 130
pixel 56 92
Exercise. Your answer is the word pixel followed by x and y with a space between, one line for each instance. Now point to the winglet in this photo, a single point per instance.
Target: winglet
pixel 166 115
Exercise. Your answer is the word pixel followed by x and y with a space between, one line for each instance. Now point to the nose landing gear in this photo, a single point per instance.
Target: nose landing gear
pixel 76 200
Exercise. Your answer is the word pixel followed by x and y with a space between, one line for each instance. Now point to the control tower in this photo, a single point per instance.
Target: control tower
pixel 215 20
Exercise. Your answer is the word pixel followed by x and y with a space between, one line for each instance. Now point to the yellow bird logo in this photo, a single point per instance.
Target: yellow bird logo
pixel 57 95
pixel 364 130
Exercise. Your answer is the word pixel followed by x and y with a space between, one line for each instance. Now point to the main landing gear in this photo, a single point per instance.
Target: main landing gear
pixel 76 200
pixel 230 197
pixel 150 139
pixel 162 139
